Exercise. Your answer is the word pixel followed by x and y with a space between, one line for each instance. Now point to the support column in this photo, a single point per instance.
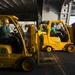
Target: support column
pixel 66 12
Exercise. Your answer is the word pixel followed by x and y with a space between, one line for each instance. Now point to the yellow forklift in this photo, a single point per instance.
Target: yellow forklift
pixel 17 52
pixel 57 37
pixel 20 53
pixel 71 29
pixel 42 29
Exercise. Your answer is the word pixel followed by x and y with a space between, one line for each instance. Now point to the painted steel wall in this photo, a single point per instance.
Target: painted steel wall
pixel 49 12
pixel 56 12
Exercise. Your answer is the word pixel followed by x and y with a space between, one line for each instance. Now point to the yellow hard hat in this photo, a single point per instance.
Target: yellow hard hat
pixel 6 21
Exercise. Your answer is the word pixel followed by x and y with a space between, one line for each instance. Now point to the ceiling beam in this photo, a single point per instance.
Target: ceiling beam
pixel 15 3
pixel 9 4
pixel 23 2
pixel 4 7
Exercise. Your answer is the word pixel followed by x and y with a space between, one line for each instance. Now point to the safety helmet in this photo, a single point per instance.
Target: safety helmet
pixel 6 21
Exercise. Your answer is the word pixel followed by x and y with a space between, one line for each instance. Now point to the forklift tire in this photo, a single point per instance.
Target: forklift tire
pixel 71 48
pixel 49 49
pixel 27 64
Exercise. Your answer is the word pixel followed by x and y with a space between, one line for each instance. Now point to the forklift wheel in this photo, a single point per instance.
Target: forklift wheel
pixel 49 49
pixel 71 48
pixel 27 64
